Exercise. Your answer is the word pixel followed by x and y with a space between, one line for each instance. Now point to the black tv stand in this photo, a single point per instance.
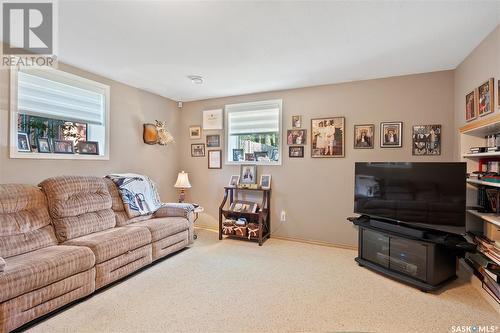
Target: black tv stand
pixel 421 258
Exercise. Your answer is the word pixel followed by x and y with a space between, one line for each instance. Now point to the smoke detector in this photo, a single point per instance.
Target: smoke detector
pixel 196 79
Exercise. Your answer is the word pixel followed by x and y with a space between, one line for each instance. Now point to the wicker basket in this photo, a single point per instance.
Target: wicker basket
pixel 228 227
pixel 253 230
pixel 240 231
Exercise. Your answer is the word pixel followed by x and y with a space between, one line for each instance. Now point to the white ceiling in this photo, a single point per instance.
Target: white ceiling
pixel 248 47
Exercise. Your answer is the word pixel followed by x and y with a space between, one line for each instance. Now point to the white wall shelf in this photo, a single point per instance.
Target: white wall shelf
pixel 480 182
pixel 488 217
pixel 489 154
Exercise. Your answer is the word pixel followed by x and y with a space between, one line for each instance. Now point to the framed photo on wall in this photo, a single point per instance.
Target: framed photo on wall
pixel 213 141
pixel 212 119
pixel 248 174
pixel 296 121
pixel 364 136
pixel 296 151
pixel 194 132
pixel 215 159
pixel 391 134
pixel 198 150
pixel 470 105
pixel 296 137
pixel 327 137
pixel 426 140
pixel 261 156
pixel 485 98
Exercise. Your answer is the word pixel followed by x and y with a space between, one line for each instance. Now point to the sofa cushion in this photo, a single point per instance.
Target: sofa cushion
pixel 163 227
pixel 78 205
pixel 37 269
pixel 111 243
pixel 24 220
pixel 2 264
pixel 174 210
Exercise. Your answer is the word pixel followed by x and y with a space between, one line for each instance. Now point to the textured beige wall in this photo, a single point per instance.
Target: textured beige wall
pixel 482 64
pixel 317 194
pixel 130 108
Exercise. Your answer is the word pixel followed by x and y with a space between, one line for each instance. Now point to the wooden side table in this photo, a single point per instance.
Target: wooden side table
pixel 196 212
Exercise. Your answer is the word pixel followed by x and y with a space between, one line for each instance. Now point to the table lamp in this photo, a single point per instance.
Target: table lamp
pixel 183 184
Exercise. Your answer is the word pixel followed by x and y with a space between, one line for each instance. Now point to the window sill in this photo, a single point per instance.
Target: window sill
pixel 54 156
pixel 254 162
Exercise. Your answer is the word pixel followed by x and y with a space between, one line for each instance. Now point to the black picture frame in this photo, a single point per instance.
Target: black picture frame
pixel 236 153
pixel 39 145
pixel 300 149
pixel 199 146
pixel 216 141
pixel 68 143
pixel 82 150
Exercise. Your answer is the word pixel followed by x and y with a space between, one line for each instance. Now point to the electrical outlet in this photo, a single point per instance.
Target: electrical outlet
pixel 283 216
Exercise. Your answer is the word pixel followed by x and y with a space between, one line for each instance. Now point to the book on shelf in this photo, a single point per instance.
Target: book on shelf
pixel 240 206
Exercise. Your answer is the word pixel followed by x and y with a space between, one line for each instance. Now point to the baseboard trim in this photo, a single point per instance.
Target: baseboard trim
pixel 297 240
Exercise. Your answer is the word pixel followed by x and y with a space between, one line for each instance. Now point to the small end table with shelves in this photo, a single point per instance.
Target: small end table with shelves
pixel 262 217
pixel 198 209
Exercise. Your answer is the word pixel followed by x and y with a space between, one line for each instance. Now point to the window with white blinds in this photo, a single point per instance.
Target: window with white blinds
pixel 52 110
pixel 253 132
pixel 45 94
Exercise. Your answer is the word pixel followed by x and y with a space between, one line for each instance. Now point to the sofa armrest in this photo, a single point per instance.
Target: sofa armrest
pixel 175 210
pixel 2 264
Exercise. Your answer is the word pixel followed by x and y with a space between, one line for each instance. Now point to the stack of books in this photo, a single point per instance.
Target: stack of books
pixel 487 262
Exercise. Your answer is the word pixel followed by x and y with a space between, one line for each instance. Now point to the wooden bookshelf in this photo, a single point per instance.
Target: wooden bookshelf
pixel 262 217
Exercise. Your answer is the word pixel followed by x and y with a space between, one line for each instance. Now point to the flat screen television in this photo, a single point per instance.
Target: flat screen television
pixel 424 195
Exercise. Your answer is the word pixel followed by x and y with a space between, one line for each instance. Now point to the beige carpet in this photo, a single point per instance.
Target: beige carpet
pixel 234 286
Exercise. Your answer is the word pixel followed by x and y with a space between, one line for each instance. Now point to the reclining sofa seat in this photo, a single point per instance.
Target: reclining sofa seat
pixel 38 276
pixel 81 212
pixel 171 227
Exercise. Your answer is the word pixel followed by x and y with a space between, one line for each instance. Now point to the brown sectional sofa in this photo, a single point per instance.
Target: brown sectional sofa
pixel 71 237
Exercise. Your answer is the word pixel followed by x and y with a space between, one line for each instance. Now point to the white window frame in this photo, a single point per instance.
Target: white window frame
pixel 75 80
pixel 250 105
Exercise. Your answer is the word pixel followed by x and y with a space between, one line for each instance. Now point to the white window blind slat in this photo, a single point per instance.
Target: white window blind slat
pixel 253 121
pixel 50 98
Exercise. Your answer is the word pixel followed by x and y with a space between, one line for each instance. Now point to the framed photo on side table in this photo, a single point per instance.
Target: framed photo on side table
pixel 391 134
pixel 215 159
pixel 364 136
pixel 265 182
pixel 234 181
pixel 248 174
pixel 198 150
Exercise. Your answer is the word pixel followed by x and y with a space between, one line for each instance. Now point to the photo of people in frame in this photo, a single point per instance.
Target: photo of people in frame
pixel 470 106
pixel 426 140
pixel 391 134
pixel 364 136
pixel 327 137
pixel 485 98
pixel 248 174
pixel 296 137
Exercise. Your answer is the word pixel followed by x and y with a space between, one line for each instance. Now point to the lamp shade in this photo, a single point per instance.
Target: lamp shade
pixel 182 180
